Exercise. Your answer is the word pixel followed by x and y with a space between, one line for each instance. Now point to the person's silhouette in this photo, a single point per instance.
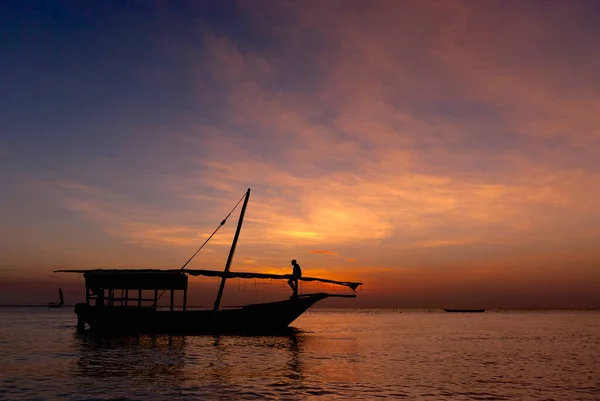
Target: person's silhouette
pixel 296 274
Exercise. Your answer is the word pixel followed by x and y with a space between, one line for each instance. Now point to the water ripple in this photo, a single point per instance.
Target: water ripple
pixel 331 355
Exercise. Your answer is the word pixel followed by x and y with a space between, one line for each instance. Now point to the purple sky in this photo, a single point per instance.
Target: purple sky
pixel 442 152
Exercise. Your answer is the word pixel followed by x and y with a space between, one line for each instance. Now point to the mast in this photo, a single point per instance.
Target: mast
pixel 232 251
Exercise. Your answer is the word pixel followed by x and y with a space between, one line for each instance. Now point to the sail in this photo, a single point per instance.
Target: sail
pixel 60 295
pixel 216 273
pixel 219 273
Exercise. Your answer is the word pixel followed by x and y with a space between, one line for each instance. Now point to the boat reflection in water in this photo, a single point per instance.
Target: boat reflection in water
pixel 197 366
pixel 139 359
pixel 237 361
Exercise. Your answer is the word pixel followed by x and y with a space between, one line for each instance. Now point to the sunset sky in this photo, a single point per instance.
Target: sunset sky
pixel 445 153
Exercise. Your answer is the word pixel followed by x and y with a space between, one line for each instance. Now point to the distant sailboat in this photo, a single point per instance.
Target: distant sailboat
pixel 60 302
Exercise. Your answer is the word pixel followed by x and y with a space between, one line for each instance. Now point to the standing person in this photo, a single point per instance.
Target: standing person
pixel 296 274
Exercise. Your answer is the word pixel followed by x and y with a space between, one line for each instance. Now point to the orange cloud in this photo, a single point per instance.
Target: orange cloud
pixel 421 135
pixel 323 252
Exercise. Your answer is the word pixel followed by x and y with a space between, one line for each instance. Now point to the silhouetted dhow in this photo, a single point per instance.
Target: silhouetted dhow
pixel 117 300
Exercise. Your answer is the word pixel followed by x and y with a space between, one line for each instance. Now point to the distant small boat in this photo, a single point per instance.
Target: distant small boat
pixel 60 302
pixel 465 310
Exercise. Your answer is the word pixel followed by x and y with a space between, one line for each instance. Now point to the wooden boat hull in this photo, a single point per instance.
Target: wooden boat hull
pixel 465 310
pixel 256 318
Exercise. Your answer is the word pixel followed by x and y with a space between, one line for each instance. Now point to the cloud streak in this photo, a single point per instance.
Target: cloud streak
pixel 422 135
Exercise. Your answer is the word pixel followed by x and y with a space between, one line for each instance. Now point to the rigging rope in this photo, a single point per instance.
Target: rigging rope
pixel 205 242
pixel 214 232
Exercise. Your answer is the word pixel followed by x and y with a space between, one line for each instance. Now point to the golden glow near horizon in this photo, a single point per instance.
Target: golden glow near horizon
pixel 436 151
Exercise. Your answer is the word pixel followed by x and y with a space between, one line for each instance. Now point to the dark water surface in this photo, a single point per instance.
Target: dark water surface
pixel 333 354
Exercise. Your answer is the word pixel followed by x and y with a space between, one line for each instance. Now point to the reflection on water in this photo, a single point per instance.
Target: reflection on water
pixel 138 358
pixel 337 354
pixel 295 362
pixel 218 365
pixel 236 366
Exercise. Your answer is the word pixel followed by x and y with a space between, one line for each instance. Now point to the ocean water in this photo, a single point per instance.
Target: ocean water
pixel 331 354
